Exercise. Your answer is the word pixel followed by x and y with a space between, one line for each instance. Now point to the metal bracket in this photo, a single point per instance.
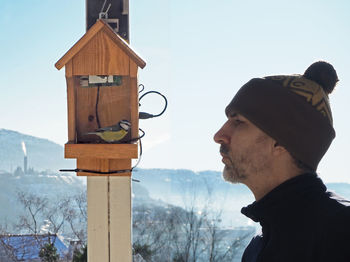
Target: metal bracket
pixel 104 14
pixel 113 21
pixel 125 7
pixel 113 12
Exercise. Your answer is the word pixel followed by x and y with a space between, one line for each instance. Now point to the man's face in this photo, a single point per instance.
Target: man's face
pixel 245 149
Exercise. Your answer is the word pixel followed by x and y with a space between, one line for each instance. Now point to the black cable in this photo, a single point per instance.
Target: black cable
pixel 143 88
pixel 135 139
pixel 96 172
pixel 140 155
pixel 145 115
pixel 96 108
pixel 100 172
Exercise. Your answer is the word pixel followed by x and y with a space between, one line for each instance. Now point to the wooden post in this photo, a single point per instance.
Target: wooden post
pixel 120 219
pixel 97 199
pixel 109 219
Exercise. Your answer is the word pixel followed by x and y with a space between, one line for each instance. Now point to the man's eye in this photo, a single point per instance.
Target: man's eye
pixel 237 122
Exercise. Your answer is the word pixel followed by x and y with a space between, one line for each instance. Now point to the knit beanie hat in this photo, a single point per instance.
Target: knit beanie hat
pixel 292 109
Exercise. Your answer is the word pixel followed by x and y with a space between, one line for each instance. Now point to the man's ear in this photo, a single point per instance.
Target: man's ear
pixel 278 149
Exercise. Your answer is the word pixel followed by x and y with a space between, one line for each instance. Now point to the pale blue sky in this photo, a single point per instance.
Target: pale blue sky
pixel 198 52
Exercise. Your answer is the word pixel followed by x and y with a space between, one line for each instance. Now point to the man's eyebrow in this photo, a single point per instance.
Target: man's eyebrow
pixel 231 113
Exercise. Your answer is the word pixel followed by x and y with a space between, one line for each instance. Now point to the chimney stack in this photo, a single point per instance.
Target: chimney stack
pixel 25 165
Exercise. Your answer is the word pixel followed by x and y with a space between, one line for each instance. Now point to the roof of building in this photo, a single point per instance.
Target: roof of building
pixel 27 247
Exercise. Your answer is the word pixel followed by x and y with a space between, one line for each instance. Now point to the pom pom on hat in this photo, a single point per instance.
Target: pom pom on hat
pixel 323 74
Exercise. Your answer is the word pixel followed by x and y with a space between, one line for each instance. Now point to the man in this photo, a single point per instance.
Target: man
pixel 278 129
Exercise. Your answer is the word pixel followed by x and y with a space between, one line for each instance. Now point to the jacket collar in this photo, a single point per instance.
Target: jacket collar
pixel 284 197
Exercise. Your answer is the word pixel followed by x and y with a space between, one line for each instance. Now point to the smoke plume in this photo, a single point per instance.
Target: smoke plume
pixel 24 148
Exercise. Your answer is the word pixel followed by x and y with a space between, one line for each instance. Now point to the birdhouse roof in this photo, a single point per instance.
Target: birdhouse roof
pixel 97 27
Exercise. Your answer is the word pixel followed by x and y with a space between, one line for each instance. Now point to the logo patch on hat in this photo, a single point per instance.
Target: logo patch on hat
pixel 311 91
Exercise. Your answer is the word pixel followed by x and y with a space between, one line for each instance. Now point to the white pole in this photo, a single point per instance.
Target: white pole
pixel 109 219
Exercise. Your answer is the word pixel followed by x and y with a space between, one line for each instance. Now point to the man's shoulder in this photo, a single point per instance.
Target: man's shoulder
pixel 337 202
pixel 334 207
pixel 335 197
pixel 334 216
pixel 328 210
pixel 336 228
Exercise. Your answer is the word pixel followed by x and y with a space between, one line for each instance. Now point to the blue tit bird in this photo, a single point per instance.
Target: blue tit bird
pixel 113 133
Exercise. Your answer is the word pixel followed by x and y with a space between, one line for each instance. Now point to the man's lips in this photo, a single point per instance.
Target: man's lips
pixel 225 158
pixel 223 154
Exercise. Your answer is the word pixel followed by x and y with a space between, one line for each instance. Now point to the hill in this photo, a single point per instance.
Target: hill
pixel 42 153
pixel 44 184
pixel 179 187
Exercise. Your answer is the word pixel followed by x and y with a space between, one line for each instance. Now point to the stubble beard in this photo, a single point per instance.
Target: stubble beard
pixel 234 173
pixel 242 165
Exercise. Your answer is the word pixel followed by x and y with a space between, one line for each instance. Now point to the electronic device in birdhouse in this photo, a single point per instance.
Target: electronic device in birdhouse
pixel 102 96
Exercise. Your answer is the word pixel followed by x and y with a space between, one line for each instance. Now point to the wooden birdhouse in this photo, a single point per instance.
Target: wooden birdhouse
pixel 101 73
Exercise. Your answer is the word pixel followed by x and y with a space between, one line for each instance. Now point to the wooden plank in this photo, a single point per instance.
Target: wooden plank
pixel 120 219
pixel 108 151
pixel 98 227
pixel 124 46
pixel 69 69
pixel 134 108
pixel 71 109
pixel 86 116
pixel 133 69
pixel 120 164
pixel 89 164
pixel 115 103
pixel 103 165
pixel 79 45
pixel 101 56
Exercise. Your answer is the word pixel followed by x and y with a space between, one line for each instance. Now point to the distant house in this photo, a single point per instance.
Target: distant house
pixel 27 247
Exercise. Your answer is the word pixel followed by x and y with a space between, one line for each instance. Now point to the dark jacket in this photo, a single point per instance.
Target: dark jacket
pixel 300 222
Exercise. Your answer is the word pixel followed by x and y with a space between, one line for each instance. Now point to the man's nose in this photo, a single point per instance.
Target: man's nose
pixel 221 137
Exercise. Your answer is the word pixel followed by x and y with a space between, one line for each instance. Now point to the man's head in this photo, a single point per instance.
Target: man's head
pixel 244 147
pixel 251 156
pixel 285 118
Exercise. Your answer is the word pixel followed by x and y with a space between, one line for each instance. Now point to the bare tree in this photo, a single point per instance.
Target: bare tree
pixel 190 234
pixel 221 244
pixel 54 216
pixel 65 216
pixel 189 248
pixel 33 206
pixel 213 236
pixel 69 212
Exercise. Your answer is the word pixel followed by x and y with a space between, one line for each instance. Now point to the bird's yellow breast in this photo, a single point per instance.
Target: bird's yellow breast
pixel 113 136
